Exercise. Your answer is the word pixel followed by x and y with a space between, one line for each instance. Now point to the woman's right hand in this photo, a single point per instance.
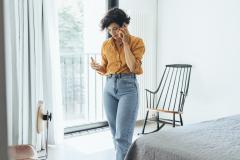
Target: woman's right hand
pixel 97 67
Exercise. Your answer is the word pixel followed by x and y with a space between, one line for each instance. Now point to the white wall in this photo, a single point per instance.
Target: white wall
pixel 206 34
pixel 143 24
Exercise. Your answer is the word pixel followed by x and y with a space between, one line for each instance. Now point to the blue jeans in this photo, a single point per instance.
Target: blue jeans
pixel 121 107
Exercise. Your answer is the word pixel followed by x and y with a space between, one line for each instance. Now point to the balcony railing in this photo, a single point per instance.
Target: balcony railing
pixel 82 90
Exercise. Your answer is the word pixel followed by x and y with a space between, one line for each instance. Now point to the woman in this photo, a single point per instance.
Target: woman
pixel 121 62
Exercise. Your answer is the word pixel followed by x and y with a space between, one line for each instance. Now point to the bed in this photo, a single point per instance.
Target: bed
pixel 211 140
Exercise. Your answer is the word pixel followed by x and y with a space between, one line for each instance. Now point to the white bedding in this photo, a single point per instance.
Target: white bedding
pixel 212 140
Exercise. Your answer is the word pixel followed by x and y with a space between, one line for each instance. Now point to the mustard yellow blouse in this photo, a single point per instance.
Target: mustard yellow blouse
pixel 114 60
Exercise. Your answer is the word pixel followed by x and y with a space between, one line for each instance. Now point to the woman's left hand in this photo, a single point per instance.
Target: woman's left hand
pixel 124 34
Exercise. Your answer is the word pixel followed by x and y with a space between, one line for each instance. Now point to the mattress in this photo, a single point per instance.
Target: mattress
pixel 211 140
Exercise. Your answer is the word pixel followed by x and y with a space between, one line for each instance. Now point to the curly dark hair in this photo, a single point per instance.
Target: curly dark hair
pixel 114 15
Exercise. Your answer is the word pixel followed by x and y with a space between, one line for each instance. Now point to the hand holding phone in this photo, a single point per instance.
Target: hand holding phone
pixel 124 34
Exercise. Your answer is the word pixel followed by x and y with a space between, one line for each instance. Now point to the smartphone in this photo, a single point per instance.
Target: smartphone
pixel 92 59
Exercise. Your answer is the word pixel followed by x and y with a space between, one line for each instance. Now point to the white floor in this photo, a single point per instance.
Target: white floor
pixel 86 147
pixel 93 146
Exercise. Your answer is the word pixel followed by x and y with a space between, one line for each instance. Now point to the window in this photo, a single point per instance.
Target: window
pixel 80 39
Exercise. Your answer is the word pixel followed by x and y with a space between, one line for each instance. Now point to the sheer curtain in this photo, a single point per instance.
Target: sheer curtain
pixel 33 68
pixel 51 76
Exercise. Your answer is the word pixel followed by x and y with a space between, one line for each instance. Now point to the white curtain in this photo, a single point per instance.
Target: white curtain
pixel 33 68
pixel 52 84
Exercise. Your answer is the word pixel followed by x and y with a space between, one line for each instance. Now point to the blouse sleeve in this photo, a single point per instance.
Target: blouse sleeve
pixel 103 54
pixel 138 52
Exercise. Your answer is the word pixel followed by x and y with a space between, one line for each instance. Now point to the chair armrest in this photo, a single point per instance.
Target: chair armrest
pixel 147 90
pixel 183 94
